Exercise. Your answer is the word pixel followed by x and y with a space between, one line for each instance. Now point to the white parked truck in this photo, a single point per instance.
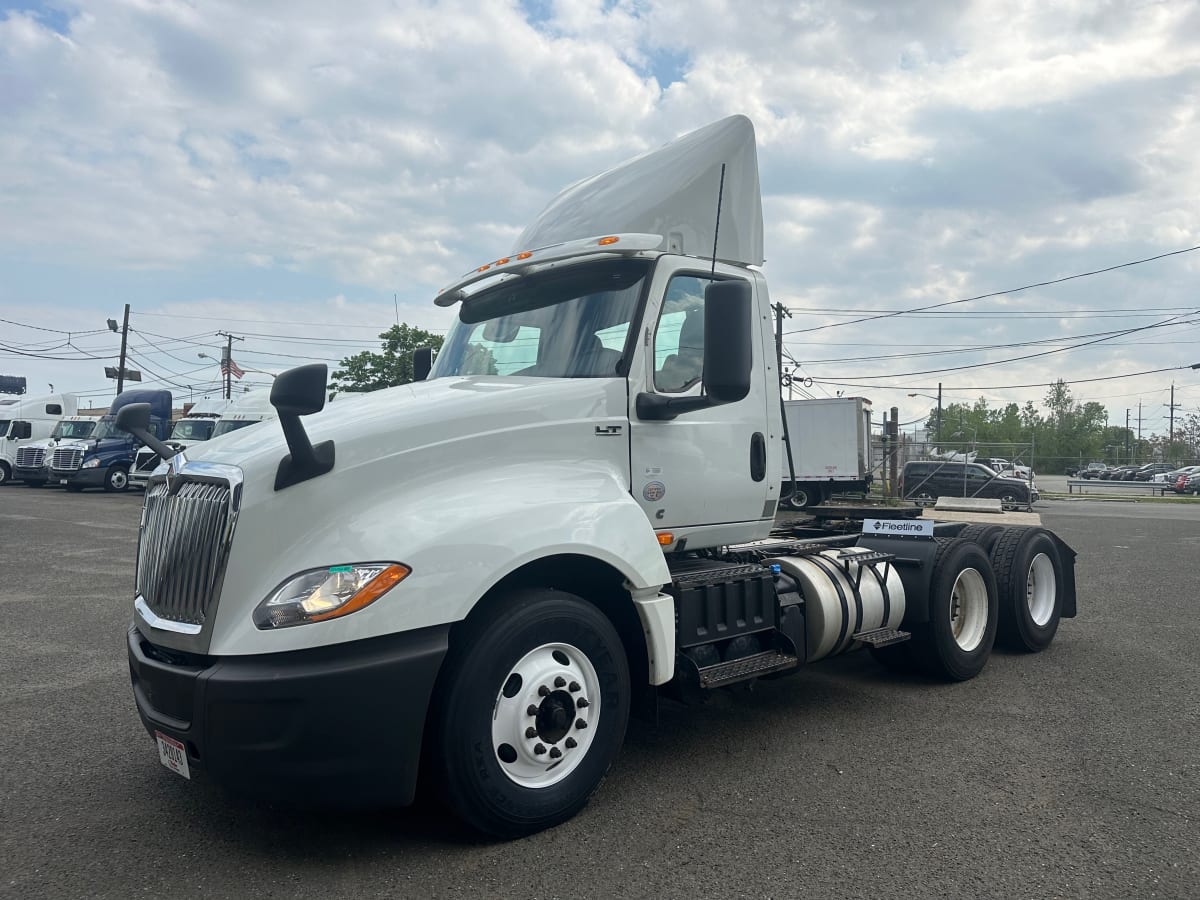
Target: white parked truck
pixel 831 448
pixel 198 425
pixel 27 422
pixel 477 577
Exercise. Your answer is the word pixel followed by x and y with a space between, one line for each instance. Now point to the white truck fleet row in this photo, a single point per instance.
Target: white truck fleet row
pixel 26 422
pixel 477 578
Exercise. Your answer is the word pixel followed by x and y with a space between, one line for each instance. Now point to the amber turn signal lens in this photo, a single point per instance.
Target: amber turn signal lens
pixel 368 593
pixel 665 538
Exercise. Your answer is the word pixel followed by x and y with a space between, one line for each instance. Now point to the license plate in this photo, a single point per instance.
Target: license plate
pixel 62 481
pixel 172 754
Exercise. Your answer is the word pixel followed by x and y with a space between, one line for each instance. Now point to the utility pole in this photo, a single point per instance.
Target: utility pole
pixel 1127 434
pixel 780 312
pixel 226 358
pixel 1171 428
pixel 124 341
pixel 939 418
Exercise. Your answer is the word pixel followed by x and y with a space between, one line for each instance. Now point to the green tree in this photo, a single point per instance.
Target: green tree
pixel 368 371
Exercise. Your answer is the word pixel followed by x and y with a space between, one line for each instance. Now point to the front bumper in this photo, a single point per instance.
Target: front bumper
pixel 35 475
pixel 93 477
pixel 332 726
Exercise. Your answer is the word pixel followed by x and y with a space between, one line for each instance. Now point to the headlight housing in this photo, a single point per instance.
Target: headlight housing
pixel 91 463
pixel 328 593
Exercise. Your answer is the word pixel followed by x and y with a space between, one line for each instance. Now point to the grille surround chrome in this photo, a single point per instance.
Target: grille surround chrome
pixel 31 457
pixel 67 459
pixel 184 541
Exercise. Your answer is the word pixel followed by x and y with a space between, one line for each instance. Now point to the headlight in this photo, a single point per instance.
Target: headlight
pixel 320 594
pixel 91 463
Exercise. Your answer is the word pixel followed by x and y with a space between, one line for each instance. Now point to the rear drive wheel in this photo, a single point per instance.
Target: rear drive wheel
pixel 117 478
pixel 530 713
pixel 984 535
pixel 1029 580
pixel 957 640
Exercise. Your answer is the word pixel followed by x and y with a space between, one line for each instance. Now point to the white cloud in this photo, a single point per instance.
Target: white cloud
pixel 910 152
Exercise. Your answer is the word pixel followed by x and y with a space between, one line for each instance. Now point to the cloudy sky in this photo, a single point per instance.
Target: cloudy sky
pixel 291 171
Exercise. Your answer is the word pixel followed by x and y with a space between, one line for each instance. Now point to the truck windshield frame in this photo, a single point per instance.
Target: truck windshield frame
pixel 571 322
pixel 73 430
pixel 107 428
pixel 228 426
pixel 193 430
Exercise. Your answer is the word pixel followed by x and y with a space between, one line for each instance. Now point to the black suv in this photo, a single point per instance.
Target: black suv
pixel 925 481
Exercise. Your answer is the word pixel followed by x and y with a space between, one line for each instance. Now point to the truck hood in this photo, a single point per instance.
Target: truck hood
pixel 369 428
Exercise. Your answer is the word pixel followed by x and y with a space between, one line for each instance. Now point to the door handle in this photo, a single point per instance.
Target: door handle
pixel 758 456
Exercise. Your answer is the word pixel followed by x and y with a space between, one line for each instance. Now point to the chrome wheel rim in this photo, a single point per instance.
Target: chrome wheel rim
pixel 545 715
pixel 1040 588
pixel 968 610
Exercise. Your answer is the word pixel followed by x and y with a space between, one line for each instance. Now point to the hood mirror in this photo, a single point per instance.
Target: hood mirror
pixel 301 392
pixel 135 418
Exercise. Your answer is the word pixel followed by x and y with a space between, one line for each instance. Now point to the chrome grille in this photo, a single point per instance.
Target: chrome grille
pixel 183 548
pixel 31 457
pixel 67 459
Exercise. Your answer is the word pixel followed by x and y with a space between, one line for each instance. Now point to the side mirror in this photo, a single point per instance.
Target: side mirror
pixel 422 363
pixel 728 354
pixel 135 419
pixel 728 348
pixel 301 392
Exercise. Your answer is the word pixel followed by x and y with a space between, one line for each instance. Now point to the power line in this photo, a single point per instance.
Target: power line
pixel 380 328
pixel 1002 387
pixel 1024 287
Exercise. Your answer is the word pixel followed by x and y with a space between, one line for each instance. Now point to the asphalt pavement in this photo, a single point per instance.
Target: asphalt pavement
pixel 1072 773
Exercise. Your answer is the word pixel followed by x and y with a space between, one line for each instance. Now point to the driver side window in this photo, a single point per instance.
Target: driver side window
pixel 679 337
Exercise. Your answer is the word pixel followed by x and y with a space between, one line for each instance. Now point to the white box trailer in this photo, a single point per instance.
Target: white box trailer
pixel 831 448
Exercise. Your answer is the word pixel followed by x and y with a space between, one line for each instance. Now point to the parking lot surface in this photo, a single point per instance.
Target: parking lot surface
pixel 1072 773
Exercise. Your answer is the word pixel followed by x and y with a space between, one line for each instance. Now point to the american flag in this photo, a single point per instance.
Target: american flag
pixel 229 367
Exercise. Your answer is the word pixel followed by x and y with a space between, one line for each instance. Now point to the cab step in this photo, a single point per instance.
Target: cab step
pixel 747 667
pixel 882 637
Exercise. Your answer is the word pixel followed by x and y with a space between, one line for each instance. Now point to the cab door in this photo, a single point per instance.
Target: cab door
pixel 711 475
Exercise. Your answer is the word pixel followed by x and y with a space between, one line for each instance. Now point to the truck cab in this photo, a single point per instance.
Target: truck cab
pixel 33 459
pixel 243 411
pixel 104 458
pixel 197 425
pixel 26 422
pixel 490 568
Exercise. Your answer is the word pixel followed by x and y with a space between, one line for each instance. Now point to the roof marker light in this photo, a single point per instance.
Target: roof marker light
pixel 525 254
pixel 605 241
pixel 483 268
pixel 501 262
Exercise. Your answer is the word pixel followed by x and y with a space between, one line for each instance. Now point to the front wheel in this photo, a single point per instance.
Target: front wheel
pixel 925 498
pixel 117 479
pixel 531 712
pixel 5 475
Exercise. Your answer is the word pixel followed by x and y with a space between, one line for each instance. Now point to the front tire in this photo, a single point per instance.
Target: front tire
pixel 924 498
pixel 116 479
pixel 531 712
pixel 5 475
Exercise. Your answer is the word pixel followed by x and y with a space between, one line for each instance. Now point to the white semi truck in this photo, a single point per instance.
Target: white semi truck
pixel 27 422
pixel 197 425
pixel 830 441
pixel 477 578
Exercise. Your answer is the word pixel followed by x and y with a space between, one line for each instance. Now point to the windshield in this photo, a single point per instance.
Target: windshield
pixel 192 430
pixel 107 427
pixel 568 323
pixel 73 430
pixel 227 425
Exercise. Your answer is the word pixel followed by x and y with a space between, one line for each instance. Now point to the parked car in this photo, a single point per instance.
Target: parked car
pixel 1093 470
pixel 1149 470
pixel 1188 484
pixel 1118 473
pixel 1173 476
pixel 925 481
pixel 1071 471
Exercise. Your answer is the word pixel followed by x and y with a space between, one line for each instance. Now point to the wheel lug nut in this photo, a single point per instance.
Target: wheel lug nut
pixel 582 703
pixel 531 709
pixel 539 749
pixel 571 743
pixel 559 681
pixel 531 732
pixel 573 687
pixel 579 723
pixel 543 691
pixel 555 753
